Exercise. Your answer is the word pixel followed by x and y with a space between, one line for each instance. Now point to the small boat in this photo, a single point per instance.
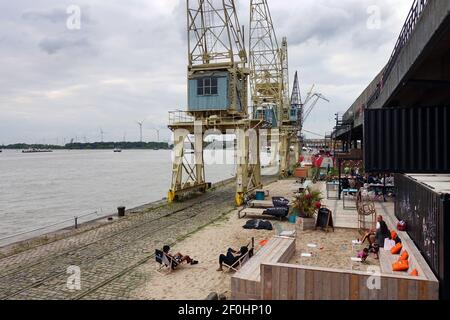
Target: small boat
pixel 116 150
pixel 34 150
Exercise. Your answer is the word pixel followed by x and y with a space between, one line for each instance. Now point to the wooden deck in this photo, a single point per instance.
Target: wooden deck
pixel 343 218
pixel 417 261
pixel 292 282
pixel 267 275
pixel 246 283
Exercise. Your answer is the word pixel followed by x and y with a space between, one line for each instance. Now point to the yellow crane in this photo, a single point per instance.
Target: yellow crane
pixel 217 100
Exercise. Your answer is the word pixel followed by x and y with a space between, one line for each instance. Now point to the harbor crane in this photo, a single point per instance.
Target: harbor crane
pixel 218 81
pixel 269 81
pixel 217 100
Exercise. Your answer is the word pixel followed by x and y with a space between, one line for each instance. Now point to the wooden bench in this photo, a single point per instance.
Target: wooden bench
pixel 246 283
pixel 387 259
pixel 416 260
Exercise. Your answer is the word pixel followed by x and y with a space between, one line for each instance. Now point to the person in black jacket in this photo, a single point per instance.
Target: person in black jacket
pixel 377 237
pixel 232 257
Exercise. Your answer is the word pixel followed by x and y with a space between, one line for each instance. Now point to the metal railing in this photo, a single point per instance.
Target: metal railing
pixel 73 222
pixel 180 117
pixel 411 21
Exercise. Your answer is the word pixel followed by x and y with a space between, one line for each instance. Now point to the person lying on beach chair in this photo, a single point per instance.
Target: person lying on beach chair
pixel 173 261
pixel 234 259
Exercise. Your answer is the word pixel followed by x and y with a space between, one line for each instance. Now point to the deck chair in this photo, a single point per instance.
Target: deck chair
pixel 165 261
pixel 238 264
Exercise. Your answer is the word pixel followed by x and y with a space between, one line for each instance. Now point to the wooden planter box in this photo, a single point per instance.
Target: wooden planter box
pixel 304 224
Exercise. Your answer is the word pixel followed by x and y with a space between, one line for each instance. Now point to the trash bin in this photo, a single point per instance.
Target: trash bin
pixel 121 211
pixel 260 195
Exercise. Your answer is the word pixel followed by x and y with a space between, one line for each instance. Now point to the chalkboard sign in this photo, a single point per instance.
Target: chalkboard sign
pixel 325 219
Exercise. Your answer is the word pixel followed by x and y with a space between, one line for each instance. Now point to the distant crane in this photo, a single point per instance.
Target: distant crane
pixel 140 124
pixel 310 102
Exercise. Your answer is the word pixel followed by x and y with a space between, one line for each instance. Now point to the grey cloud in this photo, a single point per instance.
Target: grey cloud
pixel 53 16
pixel 52 46
pixel 129 60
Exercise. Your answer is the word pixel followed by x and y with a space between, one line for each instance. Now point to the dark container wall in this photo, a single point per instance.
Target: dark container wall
pixel 407 140
pixel 427 214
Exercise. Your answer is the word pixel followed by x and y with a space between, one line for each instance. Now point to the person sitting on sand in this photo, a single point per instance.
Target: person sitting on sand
pixel 178 258
pixel 379 235
pixel 232 257
pixel 363 255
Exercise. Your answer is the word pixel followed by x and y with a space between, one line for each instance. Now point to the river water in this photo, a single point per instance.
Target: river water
pixel 42 189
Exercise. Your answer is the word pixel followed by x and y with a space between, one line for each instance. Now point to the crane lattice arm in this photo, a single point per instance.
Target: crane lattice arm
pixel 310 103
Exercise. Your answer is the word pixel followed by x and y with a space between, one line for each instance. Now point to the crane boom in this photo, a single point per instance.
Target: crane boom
pixel 266 76
pixel 314 98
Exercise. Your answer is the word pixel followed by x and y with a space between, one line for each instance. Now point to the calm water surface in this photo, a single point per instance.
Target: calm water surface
pixel 41 189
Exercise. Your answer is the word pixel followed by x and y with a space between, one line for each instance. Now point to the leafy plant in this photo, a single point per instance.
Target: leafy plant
pixel 308 202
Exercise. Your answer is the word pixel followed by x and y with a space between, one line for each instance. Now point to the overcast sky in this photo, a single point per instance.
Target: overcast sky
pixel 128 62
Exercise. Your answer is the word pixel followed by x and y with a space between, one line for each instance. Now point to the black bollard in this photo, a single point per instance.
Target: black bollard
pixel 121 211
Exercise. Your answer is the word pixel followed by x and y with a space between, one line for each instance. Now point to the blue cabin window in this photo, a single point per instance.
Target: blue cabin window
pixel 207 87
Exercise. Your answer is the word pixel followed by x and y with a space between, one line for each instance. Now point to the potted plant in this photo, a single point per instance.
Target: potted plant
pixel 306 204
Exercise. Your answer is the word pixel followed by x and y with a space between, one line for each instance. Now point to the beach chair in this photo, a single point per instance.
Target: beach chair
pixel 165 262
pixel 238 264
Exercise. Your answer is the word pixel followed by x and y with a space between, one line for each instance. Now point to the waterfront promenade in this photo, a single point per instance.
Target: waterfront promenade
pixel 108 254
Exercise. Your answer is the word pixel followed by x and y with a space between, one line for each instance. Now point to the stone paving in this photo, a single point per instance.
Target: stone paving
pixel 107 254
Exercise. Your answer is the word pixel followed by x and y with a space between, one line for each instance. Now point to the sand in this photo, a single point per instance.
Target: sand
pixel 197 282
pixel 334 250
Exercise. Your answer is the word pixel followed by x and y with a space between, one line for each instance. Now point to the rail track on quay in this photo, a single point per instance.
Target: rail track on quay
pixel 104 260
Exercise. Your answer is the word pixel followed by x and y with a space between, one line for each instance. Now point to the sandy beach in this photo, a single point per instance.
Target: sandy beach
pixel 196 282
pixel 332 250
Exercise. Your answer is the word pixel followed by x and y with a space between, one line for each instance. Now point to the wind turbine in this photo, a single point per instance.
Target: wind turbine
pixel 141 123
pixel 158 130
